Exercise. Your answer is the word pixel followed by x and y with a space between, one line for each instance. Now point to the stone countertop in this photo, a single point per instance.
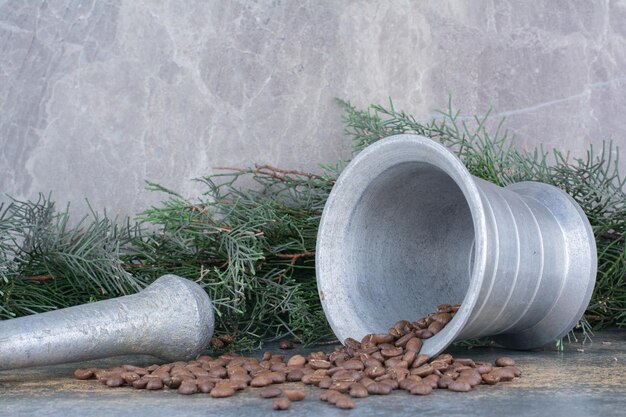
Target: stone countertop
pixel 583 380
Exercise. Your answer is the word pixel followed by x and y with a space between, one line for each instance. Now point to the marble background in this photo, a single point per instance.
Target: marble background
pixel 97 96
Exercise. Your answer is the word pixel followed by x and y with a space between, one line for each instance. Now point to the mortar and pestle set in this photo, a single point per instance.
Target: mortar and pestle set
pixel 521 261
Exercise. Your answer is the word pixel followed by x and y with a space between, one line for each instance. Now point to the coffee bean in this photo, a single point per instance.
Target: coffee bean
pixel 296 361
pixel 466 362
pixel 378 389
pixel 516 371
pixel 351 343
pixel 459 386
pixel 319 364
pixel 414 344
pixel 140 383
pixel 154 384
pixel 423 370
pixel 391 352
pixel 205 386
pixel 505 361
pixel 421 389
pixel 295 375
pixel 435 327
pixel 84 373
pixel 401 324
pixel 353 364
pixel 358 391
pixel 115 381
pixel 325 383
pixel 270 392
pixel 187 387
pixel 281 404
pixel 490 379
pixel 261 381
pixel 444 381
pixel 344 402
pixel 505 374
pixel 285 344
pixel 401 342
pixel 130 377
pixel 483 367
pixel 294 395
pixel 222 392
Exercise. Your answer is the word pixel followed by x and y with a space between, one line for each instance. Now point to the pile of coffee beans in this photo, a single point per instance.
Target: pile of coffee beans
pixel 376 365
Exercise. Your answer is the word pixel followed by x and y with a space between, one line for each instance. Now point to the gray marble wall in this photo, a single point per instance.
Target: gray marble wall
pixel 97 96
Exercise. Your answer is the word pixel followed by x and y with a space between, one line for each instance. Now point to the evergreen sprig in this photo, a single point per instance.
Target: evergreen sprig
pixel 252 248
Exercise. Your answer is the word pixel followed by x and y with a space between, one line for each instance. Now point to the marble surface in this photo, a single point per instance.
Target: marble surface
pixel 98 96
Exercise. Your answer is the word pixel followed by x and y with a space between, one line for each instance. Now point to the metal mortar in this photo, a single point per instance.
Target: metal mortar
pixel 407 227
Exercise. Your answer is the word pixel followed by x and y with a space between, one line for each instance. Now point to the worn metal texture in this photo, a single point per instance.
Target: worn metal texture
pixel 407 227
pixel 170 319
pixel 584 380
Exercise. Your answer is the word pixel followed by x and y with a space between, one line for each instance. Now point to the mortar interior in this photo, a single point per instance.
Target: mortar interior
pixel 411 241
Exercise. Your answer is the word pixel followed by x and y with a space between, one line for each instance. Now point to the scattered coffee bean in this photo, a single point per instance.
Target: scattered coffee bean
pixel 84 373
pixel 222 392
pixel 344 402
pixel 294 395
pixel 270 392
pixel 281 404
pixel 377 365
pixel 505 361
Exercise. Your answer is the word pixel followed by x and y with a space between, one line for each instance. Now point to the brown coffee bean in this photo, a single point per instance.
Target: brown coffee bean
pixel 420 360
pixel 130 377
pixel 296 361
pixel 505 361
pixel 378 389
pixel 270 392
pixel 421 389
pixel 490 379
pixel 515 370
pixel 444 308
pixel 341 386
pixel 222 391
pixel 351 343
pixel 285 344
pixel 375 371
pixel 333 396
pixel 205 387
pixel 353 365
pixel 261 381
pixel 407 384
pixel 187 387
pixel 358 391
pixel 435 327
pixel 505 374
pixel 140 383
pixel 84 373
pixel 483 367
pixel 442 318
pixel 381 338
pixel 154 384
pixel 319 364
pixel 294 395
pixel 457 386
pixel 395 333
pixel 389 382
pixel 281 404
pixel 466 362
pixel 347 376
pixel 366 381
pixel 413 344
pixel 115 381
pixel 278 377
pixel 295 375
pixel 423 370
pixel 152 368
pixel 423 333
pixel 402 341
pixel 444 381
pixel 344 402
pixel 325 383
pixel 392 352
